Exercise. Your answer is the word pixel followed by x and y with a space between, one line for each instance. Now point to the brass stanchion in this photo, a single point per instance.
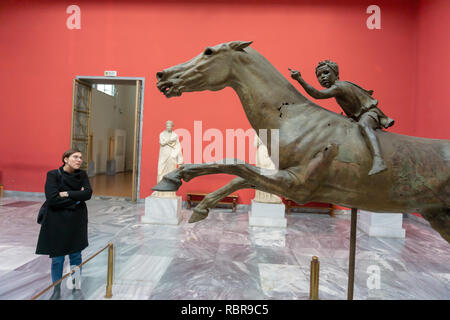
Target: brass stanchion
pixel 314 279
pixel 71 271
pixel 351 263
pixel 110 271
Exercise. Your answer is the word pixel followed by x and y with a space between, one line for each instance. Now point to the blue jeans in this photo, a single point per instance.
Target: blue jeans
pixel 58 264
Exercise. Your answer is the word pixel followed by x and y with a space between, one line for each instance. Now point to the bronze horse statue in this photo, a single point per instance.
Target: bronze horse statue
pixel 322 155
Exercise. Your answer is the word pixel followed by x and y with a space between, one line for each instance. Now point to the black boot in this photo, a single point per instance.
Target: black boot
pixel 56 292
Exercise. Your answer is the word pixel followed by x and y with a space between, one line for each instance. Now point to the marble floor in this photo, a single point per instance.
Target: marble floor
pixel 222 258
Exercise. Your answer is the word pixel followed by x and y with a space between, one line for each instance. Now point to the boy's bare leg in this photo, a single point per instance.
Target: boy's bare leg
pixel 367 125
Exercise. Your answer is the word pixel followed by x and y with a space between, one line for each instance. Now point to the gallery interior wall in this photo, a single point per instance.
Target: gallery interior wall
pixel 405 63
pixel 108 113
pixel 432 111
pixel 104 116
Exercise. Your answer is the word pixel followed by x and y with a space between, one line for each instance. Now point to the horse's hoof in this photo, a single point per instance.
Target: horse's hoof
pixel 170 182
pixel 198 215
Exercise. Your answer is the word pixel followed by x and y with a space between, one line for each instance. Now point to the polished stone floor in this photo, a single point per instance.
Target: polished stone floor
pixel 222 258
pixel 118 185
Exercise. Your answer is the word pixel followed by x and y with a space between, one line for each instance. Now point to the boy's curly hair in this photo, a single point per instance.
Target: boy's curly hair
pixel 330 64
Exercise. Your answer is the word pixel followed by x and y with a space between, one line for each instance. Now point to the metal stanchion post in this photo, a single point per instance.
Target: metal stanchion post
pixel 314 279
pixel 110 271
pixel 351 263
pixel 110 267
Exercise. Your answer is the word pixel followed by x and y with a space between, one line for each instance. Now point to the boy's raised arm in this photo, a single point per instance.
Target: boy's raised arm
pixel 330 92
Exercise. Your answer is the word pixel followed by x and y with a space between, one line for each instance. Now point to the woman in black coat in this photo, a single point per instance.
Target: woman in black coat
pixel 64 227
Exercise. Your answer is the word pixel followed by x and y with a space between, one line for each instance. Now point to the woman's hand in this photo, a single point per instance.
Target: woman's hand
pixel 63 194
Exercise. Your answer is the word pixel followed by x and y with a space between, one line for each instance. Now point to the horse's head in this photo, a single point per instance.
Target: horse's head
pixel 210 70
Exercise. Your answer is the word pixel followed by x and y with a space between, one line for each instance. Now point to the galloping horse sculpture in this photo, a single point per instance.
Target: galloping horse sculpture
pixel 322 155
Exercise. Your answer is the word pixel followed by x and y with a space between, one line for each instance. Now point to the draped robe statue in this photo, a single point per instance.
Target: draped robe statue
pixel 263 161
pixel 170 156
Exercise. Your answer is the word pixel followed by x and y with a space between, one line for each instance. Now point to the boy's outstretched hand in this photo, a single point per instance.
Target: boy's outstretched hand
pixel 295 74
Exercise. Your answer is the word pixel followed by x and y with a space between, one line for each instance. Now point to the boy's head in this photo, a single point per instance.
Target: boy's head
pixel 327 73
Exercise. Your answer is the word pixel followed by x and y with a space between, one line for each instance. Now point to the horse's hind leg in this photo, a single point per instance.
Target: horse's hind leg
pixel 210 201
pixel 439 220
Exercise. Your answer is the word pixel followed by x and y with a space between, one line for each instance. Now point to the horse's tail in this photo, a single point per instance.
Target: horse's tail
pixel 439 220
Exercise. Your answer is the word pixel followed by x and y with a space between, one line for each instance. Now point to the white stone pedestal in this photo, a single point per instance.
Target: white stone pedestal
pixel 267 215
pixel 381 224
pixel 160 210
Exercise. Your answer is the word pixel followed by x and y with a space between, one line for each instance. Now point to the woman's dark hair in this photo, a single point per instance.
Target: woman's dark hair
pixel 68 153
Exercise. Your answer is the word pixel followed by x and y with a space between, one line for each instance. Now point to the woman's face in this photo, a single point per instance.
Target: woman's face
pixel 74 161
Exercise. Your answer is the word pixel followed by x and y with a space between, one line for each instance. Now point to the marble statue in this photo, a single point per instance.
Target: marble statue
pixel 170 156
pixel 322 155
pixel 264 161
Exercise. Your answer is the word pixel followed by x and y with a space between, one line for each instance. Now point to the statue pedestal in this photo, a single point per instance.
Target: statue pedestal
pixel 381 224
pixel 267 215
pixel 160 210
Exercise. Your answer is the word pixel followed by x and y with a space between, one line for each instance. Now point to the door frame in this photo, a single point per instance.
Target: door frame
pixel 138 154
pixel 76 84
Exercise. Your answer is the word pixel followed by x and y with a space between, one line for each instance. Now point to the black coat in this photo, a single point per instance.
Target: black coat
pixel 64 228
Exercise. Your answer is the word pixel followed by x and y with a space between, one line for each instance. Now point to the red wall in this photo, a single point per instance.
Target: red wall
pixel 40 57
pixel 432 109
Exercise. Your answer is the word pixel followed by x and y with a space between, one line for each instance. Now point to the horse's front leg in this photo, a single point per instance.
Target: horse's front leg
pixel 263 179
pixel 272 181
pixel 297 183
pixel 211 199
pixel 308 180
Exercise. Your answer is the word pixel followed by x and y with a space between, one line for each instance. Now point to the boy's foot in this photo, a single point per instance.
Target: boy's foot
pixel 378 166
pixel 389 123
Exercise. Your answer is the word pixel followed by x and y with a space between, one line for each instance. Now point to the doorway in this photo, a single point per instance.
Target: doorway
pixel 107 128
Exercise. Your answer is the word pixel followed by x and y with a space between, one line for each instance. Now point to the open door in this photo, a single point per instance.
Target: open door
pixel 81 112
pixel 85 135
